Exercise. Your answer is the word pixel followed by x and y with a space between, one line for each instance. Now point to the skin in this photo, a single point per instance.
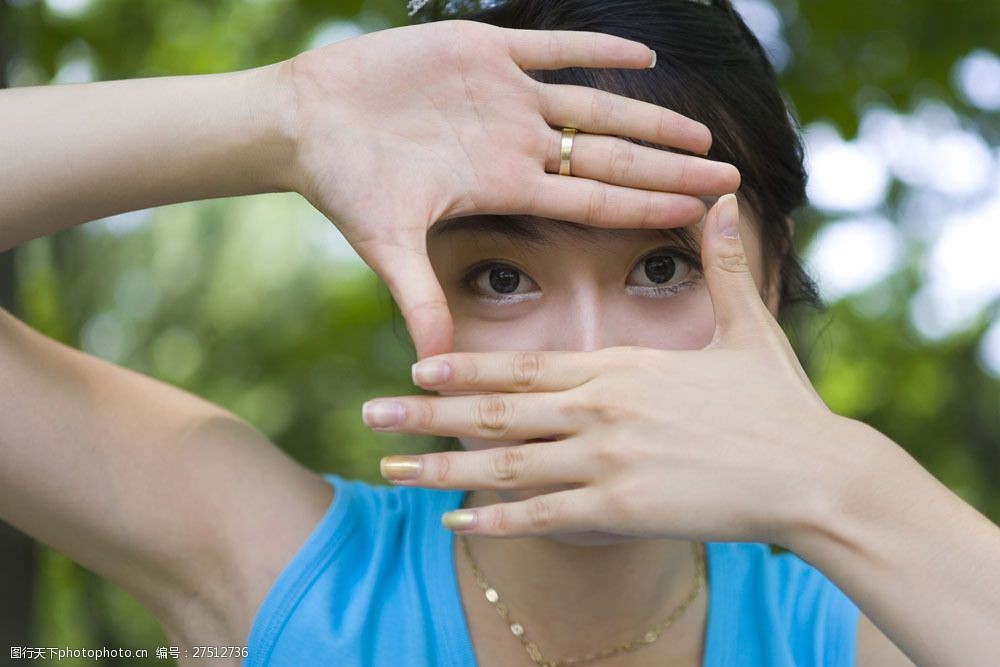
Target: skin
pixel 589 299
pixel 729 442
pixel 91 483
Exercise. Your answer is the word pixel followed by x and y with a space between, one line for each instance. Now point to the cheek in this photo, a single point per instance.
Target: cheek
pixel 685 322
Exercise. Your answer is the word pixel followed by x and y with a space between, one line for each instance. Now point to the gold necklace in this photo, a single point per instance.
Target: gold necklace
pixel 651 636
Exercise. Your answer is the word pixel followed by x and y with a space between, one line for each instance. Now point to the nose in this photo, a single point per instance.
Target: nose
pixel 586 322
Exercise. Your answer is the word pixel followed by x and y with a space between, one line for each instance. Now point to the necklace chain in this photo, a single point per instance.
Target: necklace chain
pixel 648 638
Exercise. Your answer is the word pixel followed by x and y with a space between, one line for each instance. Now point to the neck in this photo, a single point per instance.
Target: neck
pixel 575 598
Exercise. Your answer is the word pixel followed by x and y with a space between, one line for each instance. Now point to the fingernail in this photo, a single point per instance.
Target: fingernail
pixel 383 413
pixel 430 372
pixel 729 217
pixel 458 520
pixel 653 64
pixel 400 467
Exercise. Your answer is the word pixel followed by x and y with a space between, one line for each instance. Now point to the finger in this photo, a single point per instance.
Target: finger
pixel 404 266
pixel 489 416
pixel 600 112
pixel 510 371
pixel 599 204
pixel 557 49
pixel 569 511
pixel 522 466
pixel 736 299
pixel 620 162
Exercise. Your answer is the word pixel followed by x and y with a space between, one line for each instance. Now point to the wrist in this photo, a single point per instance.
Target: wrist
pixel 848 487
pixel 273 133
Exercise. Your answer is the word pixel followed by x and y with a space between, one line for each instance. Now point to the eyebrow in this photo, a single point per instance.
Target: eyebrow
pixel 548 233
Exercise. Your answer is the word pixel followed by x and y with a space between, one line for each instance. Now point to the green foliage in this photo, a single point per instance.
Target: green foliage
pixel 247 302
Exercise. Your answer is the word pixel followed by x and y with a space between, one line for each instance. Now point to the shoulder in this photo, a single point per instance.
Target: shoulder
pixel 376 547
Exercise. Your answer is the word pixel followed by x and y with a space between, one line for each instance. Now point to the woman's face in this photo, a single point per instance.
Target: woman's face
pixel 631 287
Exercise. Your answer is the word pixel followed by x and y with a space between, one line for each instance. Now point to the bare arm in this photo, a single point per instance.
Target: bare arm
pixel 77 152
pixel 921 562
pixel 154 488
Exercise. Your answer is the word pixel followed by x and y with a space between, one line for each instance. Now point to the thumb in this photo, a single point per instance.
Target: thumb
pixel 735 299
pixel 408 273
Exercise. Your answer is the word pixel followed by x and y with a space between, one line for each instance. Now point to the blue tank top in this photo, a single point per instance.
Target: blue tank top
pixel 374 585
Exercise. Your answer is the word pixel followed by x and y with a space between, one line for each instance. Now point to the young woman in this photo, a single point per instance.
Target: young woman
pixel 637 425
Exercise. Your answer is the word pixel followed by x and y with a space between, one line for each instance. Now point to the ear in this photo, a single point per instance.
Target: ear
pixel 773 296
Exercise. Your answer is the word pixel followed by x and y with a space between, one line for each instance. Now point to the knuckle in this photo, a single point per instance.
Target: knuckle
pixel 733 261
pixel 507 464
pixel 604 412
pixel 626 495
pixel 424 415
pixel 466 370
pixel 649 212
pixel 595 405
pixel 620 500
pixel 527 369
pixel 666 125
pixel 602 408
pixel 499 520
pixel 622 161
pixel 684 175
pixel 610 457
pixel 602 108
pixel 597 203
pixel 442 468
pixel 493 415
pixel 578 402
pixel 540 513
pixel 554 47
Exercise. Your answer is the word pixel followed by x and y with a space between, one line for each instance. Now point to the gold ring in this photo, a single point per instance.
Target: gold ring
pixel 567 148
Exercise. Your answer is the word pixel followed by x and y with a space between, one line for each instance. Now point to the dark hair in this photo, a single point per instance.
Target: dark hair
pixel 710 67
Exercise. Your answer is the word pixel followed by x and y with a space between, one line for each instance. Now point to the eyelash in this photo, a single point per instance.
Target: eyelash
pixel 467 282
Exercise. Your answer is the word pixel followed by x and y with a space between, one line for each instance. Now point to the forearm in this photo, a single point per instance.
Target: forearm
pixel 922 564
pixel 77 152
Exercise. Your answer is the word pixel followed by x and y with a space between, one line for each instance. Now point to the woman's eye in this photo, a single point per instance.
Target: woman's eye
pixel 498 282
pixel 663 272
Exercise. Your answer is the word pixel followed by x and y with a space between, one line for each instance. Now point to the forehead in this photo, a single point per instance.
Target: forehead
pixel 545 232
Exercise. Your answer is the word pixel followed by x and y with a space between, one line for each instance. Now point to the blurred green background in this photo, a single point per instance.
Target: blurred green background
pixel 258 303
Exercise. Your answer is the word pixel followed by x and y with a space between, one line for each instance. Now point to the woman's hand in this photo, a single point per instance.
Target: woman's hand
pixel 726 443
pixel 400 128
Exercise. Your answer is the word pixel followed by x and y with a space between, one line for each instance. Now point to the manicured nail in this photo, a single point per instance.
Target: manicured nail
pixel 383 414
pixel 400 467
pixel 430 372
pixel 458 520
pixel 729 217
pixel 653 64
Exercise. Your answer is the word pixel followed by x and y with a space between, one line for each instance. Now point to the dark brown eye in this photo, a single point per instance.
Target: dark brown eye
pixel 497 281
pixel 660 268
pixel 663 270
pixel 504 279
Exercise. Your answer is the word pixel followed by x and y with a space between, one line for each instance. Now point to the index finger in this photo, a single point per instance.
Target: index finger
pixel 557 49
pixel 513 371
